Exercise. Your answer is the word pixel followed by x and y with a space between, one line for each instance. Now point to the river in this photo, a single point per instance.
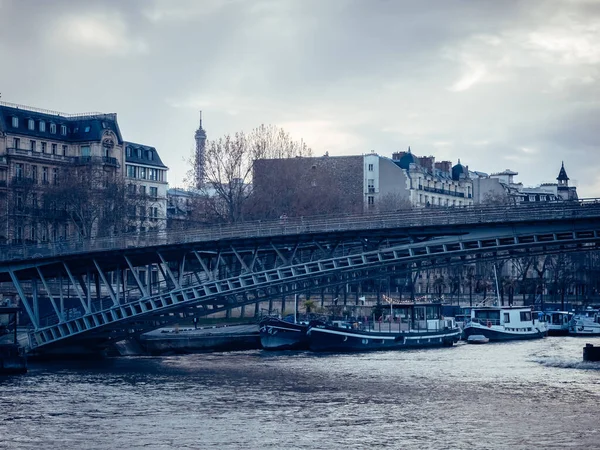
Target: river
pixel 529 394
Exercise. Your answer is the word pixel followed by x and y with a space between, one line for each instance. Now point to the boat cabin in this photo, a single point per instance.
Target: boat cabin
pixel 509 317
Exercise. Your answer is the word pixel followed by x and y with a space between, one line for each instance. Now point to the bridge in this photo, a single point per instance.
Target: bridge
pixel 86 295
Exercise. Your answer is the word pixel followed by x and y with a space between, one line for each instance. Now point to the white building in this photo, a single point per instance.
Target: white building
pixel 146 176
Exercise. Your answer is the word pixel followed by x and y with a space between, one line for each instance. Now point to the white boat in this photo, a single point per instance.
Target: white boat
pixel 477 339
pixel 558 322
pixel 586 323
pixel 499 323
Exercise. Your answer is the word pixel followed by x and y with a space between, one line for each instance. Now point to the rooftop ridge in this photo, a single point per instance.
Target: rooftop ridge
pixel 57 113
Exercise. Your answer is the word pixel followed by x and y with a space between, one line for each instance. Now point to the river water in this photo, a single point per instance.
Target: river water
pixel 529 394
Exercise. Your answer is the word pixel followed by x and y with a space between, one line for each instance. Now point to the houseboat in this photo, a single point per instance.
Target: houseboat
pixel 586 323
pixel 407 326
pixel 505 323
pixel 278 334
pixel 558 322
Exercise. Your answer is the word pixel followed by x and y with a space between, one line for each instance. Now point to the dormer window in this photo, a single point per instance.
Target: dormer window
pixel 63 130
pixel 151 155
pixel 139 152
pixel 129 152
pixel 53 128
pixel 31 124
pixel 15 122
pixel 42 125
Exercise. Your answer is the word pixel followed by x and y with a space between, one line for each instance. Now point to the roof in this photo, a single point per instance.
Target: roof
pixel 83 127
pixel 562 175
pixel 407 160
pixel 142 154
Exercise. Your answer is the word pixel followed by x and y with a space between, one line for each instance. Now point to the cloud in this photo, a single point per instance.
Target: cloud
pixel 106 33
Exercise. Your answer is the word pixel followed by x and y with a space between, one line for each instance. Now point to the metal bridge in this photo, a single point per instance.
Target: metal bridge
pixel 87 295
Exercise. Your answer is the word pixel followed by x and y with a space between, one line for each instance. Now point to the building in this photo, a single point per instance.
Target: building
pixel 37 146
pixel 146 178
pixel 409 180
pixel 501 187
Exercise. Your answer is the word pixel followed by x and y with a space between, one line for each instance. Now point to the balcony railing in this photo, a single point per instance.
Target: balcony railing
pixel 443 191
pixel 22 181
pixel 104 160
pixel 33 154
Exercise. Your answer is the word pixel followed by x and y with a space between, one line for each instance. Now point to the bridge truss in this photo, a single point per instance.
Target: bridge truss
pixel 90 299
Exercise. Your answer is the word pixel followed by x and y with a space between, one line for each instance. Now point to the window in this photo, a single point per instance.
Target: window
pixel 63 130
pixel 54 149
pixel 143 173
pixel 64 149
pixel 31 124
pixel 44 175
pixel 153 192
pixel 17 142
pixel 131 189
pixel 370 167
pixel 129 152
pixel 132 210
pixel 371 200
pixel 86 129
pixel 506 318
pixel 371 185
pixel 19 233
pixel 33 146
pixel 34 199
pixel 19 200
pixel 85 150
pixel 130 171
pixel 154 212
pixel 19 171
pixel 142 190
pixel 44 147
pixel 34 174
pixel 525 316
pixel 53 128
pixel 143 213
pixel 139 152
pixel 42 125
pixel 33 232
pixel 55 175
pixel 151 155
pixel 15 122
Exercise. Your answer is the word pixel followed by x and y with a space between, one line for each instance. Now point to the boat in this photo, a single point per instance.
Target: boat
pixel 499 323
pixel 586 323
pixel 279 334
pixel 408 326
pixel 558 322
pixel 477 339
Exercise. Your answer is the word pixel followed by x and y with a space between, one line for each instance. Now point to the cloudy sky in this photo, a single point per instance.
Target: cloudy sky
pixel 497 83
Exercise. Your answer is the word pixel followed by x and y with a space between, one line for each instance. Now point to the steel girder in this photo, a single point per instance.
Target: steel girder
pixel 202 283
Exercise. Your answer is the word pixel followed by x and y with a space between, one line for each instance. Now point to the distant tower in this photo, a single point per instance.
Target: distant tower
pixel 200 137
pixel 563 179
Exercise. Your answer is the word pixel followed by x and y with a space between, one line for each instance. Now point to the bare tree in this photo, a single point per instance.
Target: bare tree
pixel 92 198
pixel 229 163
pixel 393 201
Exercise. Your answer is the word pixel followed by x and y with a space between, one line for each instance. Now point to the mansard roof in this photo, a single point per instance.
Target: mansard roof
pixel 142 154
pixel 79 127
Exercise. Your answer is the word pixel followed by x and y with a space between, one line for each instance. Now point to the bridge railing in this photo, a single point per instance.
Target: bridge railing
pixel 416 217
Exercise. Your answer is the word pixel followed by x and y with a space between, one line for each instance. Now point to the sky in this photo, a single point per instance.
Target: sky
pixel 495 83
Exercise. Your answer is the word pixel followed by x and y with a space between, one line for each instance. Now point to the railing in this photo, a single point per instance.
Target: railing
pixel 57 113
pixel 443 191
pixel 463 215
pixel 108 160
pixel 40 155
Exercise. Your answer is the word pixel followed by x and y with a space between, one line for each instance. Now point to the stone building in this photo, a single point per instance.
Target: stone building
pixel 146 178
pixel 501 187
pixel 41 151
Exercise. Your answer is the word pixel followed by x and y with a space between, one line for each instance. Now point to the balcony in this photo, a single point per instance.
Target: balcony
pixel 22 181
pixel 444 192
pixel 39 155
pixel 103 160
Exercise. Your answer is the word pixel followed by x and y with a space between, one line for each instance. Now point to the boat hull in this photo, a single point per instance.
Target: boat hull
pixel 495 333
pixel 325 338
pixel 558 331
pixel 276 334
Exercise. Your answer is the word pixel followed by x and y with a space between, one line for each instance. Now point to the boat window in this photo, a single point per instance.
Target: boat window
pixel 525 316
pixel 432 312
pixel 485 315
pixel 506 318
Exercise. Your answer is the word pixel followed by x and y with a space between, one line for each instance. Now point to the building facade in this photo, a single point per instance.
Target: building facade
pixel 146 178
pixel 50 161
